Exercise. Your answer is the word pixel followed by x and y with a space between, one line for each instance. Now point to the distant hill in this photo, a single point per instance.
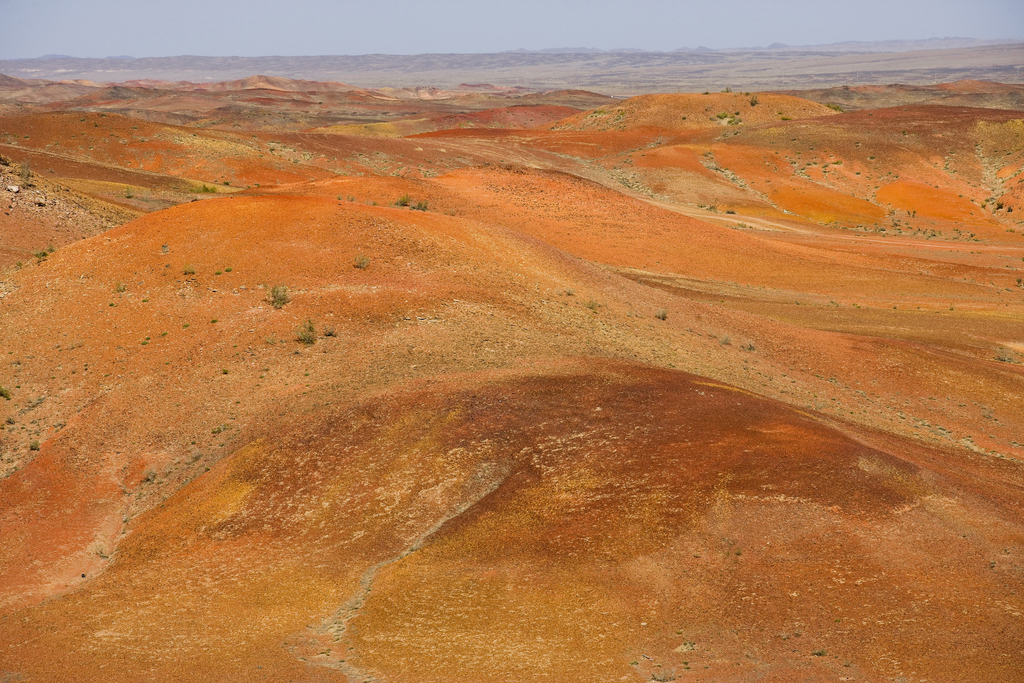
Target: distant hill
pixel 897 45
pixel 969 93
pixel 8 82
pixel 619 72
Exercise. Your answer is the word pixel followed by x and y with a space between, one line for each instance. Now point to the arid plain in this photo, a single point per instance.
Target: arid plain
pixel 310 382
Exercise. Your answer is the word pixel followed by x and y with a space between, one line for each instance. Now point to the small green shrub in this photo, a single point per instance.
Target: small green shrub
pixel 120 288
pixel 361 262
pixel 402 201
pixel 422 206
pixel 5 393
pixel 1003 356
pixel 754 100
pixel 279 296
pixel 306 333
pixel 188 270
pixel 34 445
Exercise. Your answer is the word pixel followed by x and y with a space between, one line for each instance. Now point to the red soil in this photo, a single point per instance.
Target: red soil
pixel 609 540
pixel 917 197
pixel 564 422
pixel 506 117
pixel 691 112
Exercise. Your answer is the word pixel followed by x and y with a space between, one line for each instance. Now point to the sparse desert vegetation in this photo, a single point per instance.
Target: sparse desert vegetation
pixel 683 386
pixel 279 296
pixel 306 333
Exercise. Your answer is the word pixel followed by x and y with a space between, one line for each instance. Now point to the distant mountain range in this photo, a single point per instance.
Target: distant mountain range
pixel 623 71
pixel 847 46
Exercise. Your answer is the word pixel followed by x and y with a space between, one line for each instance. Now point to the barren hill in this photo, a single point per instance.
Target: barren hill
pixel 627 397
pixel 676 113
pixel 970 93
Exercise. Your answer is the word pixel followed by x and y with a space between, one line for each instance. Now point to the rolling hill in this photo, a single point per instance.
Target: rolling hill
pixel 620 396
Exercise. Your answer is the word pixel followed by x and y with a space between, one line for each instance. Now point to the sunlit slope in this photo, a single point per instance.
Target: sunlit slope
pixel 940 172
pixel 150 156
pixel 504 118
pixel 147 350
pixel 684 112
pixel 605 522
pixel 551 422
pixel 140 356
pixel 605 226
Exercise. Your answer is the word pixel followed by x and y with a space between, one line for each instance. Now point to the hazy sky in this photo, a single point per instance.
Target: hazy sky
pixel 141 28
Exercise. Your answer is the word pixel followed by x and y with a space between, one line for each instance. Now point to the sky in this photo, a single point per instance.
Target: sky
pixel 249 28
